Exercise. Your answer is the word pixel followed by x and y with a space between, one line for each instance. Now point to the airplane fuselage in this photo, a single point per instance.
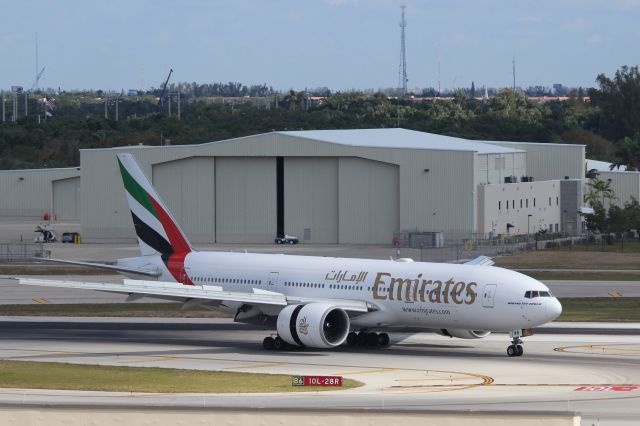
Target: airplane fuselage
pixel 414 294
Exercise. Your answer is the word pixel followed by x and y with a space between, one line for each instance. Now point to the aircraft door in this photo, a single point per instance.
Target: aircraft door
pixel 272 281
pixel 488 295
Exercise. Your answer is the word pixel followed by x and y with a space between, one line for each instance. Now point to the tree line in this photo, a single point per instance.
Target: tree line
pixel 608 124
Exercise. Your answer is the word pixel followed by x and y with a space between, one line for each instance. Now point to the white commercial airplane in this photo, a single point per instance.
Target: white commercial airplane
pixel 319 302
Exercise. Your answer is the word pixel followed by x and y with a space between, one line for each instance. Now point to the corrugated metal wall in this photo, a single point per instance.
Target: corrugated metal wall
pixel 245 199
pixel 188 189
pixel 66 198
pixel 624 184
pixel 547 161
pixel 369 201
pixel 29 193
pixel 311 199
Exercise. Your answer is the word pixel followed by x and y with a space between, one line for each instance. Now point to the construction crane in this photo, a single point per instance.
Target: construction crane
pixel 164 88
pixel 38 77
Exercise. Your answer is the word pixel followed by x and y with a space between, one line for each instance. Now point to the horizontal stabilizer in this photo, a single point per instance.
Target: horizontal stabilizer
pixel 481 261
pixel 147 272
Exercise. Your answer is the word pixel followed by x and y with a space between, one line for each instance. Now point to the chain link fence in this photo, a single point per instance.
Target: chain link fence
pixel 18 252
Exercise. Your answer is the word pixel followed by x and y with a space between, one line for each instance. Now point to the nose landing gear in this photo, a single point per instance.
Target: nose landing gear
pixel 515 349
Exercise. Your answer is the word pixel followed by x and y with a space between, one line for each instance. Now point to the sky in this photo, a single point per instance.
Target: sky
pixel 298 44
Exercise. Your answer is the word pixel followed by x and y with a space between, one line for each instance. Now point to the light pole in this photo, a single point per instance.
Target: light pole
pixel 564 222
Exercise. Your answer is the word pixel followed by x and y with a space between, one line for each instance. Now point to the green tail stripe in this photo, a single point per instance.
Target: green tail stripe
pixel 136 191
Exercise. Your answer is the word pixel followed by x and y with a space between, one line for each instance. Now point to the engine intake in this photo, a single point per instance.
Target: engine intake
pixel 317 325
pixel 462 334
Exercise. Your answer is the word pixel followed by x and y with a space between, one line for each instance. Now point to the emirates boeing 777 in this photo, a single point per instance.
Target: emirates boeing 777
pixel 318 302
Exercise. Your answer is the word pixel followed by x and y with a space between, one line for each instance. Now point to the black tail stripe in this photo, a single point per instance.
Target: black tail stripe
pixel 150 237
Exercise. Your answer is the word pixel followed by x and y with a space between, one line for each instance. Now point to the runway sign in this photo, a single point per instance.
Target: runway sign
pixel 316 381
pixel 607 388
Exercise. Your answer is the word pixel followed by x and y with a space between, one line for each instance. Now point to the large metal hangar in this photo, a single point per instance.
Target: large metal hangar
pixel 324 186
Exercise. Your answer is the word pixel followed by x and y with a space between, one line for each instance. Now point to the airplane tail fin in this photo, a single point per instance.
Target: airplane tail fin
pixel 156 228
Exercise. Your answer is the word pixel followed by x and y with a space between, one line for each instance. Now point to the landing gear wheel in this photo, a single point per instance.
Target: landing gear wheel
pixel 278 344
pixel 268 343
pixel 361 339
pixel 519 350
pixel 383 339
pixel 352 339
pixel 372 339
pixel 512 350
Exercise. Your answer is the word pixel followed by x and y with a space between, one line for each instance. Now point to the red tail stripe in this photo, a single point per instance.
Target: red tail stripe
pixel 177 241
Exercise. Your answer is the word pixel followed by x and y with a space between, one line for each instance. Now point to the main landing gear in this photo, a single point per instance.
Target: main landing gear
pixel 364 338
pixel 515 348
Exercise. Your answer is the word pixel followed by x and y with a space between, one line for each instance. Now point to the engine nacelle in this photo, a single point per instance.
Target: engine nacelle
pixel 317 325
pixel 462 334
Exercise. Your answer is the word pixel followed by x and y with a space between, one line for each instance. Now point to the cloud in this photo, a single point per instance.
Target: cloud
pixel 629 4
pixel 597 39
pixel 577 24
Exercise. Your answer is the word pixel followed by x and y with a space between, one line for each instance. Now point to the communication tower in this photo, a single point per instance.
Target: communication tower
pixel 402 74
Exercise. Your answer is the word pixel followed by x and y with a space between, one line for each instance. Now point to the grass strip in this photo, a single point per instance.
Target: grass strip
pixel 583 276
pixel 143 310
pixel 56 375
pixel 600 309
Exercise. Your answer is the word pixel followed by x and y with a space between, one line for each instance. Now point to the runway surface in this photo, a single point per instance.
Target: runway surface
pixel 595 375
pixel 13 294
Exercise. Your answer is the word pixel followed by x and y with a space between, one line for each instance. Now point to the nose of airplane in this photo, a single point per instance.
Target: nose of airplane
pixel 554 308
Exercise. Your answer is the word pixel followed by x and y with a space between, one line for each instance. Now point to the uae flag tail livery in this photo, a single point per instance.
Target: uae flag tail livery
pixel 157 231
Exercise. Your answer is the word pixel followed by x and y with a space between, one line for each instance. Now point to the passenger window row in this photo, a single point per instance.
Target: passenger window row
pixel 306 285
pixel 217 280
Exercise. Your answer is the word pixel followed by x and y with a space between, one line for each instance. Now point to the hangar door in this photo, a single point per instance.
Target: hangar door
pixel 187 188
pixel 311 199
pixel 369 201
pixel 66 198
pixel 245 191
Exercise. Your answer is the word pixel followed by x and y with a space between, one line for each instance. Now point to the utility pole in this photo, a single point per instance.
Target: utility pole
pixel 117 102
pixel 106 113
pixel 4 118
pixel 26 104
pixel 169 103
pixel 14 117
pixel 178 106
pixel 403 57
pixel 439 72
pixel 37 67
pixel 514 73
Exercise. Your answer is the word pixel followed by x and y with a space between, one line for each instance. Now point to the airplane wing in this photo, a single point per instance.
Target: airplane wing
pixel 189 293
pixel 481 261
pixel 141 271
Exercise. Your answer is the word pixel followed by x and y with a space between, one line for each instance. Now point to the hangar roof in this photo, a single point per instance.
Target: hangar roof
pixel 399 138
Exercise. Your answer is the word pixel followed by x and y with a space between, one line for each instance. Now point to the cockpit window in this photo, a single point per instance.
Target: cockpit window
pixel 532 294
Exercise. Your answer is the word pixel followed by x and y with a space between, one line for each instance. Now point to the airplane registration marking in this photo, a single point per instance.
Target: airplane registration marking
pixel 40 301
pixel 614 350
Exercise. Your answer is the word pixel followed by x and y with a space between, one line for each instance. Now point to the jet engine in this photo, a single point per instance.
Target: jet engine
pixel 317 325
pixel 462 334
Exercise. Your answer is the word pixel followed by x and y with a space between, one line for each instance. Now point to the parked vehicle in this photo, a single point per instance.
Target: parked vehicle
pixel 287 239
pixel 69 237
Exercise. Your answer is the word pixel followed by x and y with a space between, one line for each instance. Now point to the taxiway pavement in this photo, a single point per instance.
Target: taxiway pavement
pixel 597 375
